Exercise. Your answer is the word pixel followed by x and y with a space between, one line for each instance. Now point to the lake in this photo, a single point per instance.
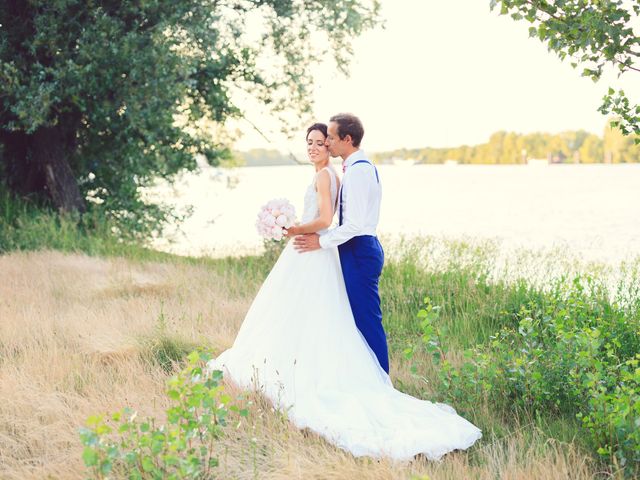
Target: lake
pixel 592 210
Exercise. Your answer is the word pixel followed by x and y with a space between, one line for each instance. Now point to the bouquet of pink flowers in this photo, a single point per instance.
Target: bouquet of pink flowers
pixel 274 218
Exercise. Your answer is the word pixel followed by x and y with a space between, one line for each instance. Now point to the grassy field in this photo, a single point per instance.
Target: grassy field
pixel 81 335
pixel 535 349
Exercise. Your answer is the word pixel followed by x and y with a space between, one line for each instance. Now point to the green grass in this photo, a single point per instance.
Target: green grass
pixel 164 349
pixel 26 226
pixel 473 308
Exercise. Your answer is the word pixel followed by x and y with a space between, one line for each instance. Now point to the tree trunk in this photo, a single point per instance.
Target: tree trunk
pixel 48 154
pixel 22 178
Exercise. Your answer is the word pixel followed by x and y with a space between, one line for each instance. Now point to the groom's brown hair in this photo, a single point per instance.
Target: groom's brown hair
pixel 349 124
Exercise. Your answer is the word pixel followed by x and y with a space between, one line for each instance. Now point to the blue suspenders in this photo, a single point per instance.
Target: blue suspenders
pixel 377 179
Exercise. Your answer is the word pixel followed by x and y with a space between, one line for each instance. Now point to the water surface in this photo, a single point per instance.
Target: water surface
pixel 593 210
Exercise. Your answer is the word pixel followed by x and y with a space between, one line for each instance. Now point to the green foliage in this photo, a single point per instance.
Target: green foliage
pixel 134 90
pixel 26 225
pixel 627 116
pixel 122 445
pixel 432 335
pixel 593 35
pixel 572 353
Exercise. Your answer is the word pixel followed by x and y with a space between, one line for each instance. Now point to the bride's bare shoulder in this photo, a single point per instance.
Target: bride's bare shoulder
pixel 323 179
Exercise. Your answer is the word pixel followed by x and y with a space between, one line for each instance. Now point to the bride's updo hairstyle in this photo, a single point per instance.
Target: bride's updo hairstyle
pixel 321 127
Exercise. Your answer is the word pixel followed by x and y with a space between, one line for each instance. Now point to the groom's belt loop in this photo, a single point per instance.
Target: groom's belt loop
pixel 377 179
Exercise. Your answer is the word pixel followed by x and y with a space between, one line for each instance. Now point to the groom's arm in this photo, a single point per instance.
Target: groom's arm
pixel 356 189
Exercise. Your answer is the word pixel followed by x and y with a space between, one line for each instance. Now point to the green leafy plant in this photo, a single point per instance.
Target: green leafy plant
pixel 433 337
pixel 183 447
pixel 574 353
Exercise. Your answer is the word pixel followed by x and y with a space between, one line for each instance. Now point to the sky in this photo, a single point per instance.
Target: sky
pixel 448 73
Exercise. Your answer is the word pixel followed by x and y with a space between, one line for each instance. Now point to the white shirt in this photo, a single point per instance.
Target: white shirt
pixel 361 196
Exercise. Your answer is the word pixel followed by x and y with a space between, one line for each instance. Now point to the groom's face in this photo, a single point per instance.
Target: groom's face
pixel 333 142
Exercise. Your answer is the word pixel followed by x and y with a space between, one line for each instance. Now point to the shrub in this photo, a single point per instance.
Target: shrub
pixel 573 353
pixel 182 448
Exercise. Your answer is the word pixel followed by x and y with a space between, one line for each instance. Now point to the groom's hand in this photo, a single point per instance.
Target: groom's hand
pixel 307 243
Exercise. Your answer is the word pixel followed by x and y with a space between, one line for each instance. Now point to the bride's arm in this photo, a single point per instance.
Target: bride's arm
pixel 323 187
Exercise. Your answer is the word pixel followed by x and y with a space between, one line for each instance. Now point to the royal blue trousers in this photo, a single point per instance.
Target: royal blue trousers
pixel 362 258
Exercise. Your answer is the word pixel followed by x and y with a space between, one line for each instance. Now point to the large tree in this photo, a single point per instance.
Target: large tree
pixel 594 35
pixel 100 97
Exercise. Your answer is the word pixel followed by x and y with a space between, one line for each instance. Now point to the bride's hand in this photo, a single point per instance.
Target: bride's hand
pixel 291 231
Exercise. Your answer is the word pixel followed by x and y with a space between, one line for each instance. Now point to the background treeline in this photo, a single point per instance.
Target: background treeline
pixel 509 147
pixel 502 148
pixel 263 157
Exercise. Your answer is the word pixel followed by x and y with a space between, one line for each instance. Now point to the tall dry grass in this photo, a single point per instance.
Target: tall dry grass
pixel 82 335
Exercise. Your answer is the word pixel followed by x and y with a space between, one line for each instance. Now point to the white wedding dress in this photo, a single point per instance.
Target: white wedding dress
pixel 299 345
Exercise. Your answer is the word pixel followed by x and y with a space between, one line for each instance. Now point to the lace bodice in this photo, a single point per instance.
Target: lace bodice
pixel 311 207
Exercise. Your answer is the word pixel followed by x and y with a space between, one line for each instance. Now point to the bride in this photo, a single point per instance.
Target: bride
pixel 300 346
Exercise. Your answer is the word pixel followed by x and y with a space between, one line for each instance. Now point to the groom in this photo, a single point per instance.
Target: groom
pixel 361 254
